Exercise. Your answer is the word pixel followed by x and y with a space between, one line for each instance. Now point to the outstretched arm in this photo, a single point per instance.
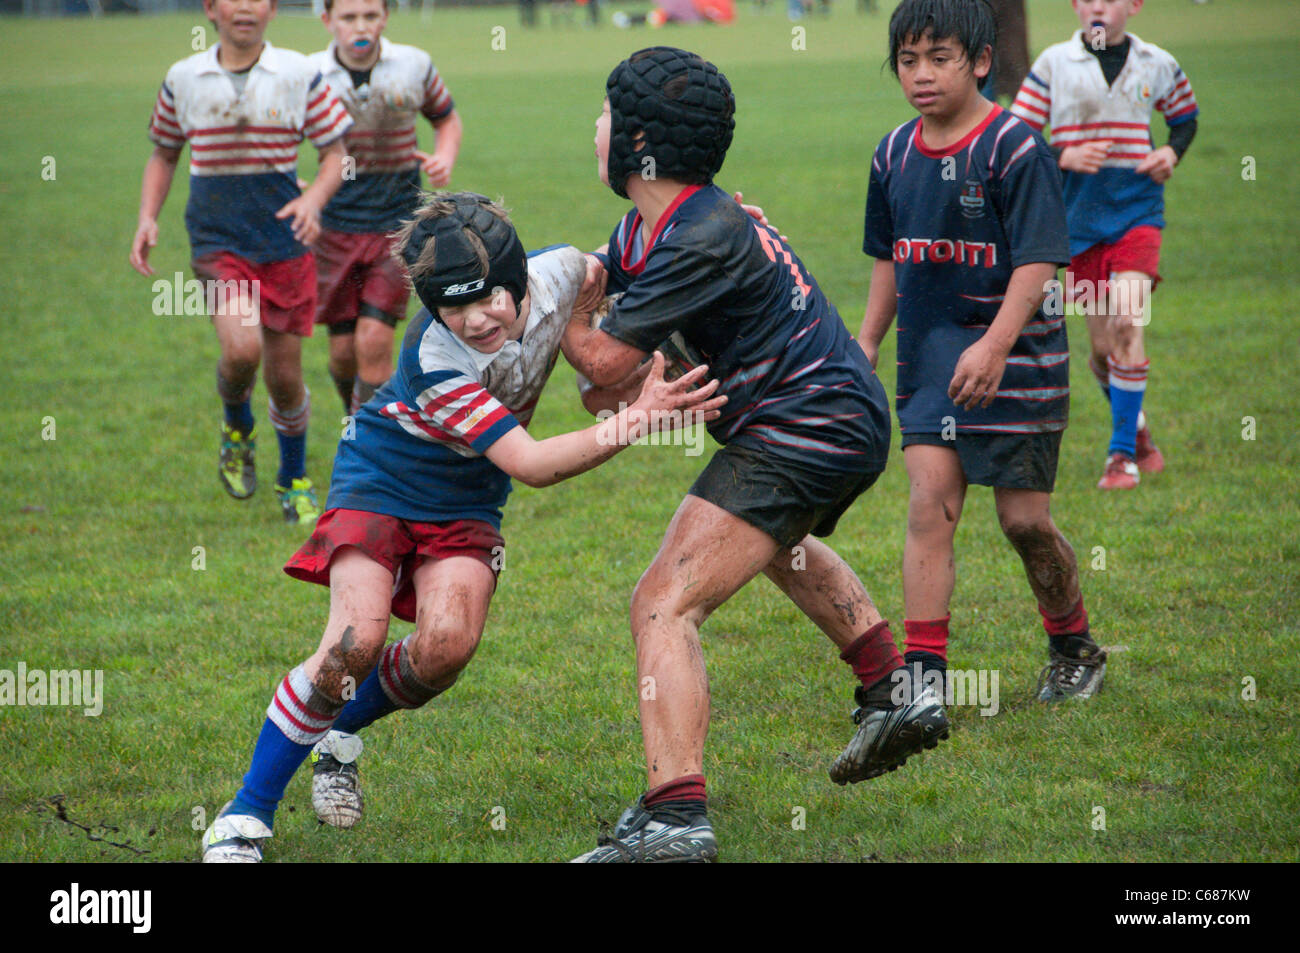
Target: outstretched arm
pixel 544 462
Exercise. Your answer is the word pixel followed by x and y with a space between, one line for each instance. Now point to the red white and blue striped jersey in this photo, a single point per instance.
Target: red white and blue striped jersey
pixel 956 223
pixel 418 449
pixel 403 85
pixel 244 146
pixel 1067 91
pixel 798 386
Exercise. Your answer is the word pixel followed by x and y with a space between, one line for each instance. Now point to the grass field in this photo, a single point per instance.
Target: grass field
pixel 98 527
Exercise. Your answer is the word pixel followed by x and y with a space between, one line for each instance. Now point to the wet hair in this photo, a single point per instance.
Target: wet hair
pixel 969 22
pixel 434 205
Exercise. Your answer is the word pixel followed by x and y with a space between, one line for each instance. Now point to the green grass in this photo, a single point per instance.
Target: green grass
pixel 97 527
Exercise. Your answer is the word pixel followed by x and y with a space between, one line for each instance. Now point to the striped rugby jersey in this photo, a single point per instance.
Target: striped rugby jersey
pixel 419 443
pixel 403 84
pixel 798 386
pixel 244 146
pixel 1066 90
pixel 956 223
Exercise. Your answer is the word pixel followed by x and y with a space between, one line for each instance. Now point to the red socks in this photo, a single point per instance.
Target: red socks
pixel 873 654
pixel 927 635
pixel 688 788
pixel 1074 622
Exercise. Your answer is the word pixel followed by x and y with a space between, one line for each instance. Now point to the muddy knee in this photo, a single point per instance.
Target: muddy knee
pixel 441 652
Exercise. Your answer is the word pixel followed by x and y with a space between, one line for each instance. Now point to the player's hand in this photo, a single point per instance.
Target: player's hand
pixel 1159 165
pixel 146 237
pixel 659 397
pixel 754 212
pixel 592 292
pixel 436 167
pixel 1086 157
pixel 306 219
pixel 977 375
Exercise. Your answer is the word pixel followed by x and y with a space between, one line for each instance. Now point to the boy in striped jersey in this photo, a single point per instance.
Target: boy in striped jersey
pixel 966 224
pixel 413 521
pixel 361 289
pixel 243 107
pixel 1096 91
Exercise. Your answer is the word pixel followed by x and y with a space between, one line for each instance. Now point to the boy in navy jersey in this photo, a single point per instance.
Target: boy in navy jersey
pixel 243 107
pixel 966 222
pixel 386 87
pixel 804 433
pixel 1097 91
pixel 413 521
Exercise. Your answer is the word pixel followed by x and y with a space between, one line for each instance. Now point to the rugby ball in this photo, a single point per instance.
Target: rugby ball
pixel 679 356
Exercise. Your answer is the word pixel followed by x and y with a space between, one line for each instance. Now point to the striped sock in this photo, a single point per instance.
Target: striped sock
pixel 237 404
pixel 390 686
pixel 1128 384
pixel 299 716
pixel 291 429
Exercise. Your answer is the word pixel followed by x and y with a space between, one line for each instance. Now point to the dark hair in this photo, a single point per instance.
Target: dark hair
pixel 969 22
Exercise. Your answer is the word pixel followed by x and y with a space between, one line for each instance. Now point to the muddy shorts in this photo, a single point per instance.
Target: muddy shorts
pixel 784 499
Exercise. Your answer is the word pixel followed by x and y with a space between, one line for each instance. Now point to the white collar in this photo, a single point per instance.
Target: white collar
pixel 265 60
pixel 1079 52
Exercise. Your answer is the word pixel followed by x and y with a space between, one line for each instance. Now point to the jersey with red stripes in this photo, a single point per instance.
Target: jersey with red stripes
pixel 418 451
pixel 1067 91
pixel 243 138
pixel 384 185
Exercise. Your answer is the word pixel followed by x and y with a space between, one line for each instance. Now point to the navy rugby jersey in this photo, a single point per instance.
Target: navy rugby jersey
pixel 797 383
pixel 418 449
pixel 956 223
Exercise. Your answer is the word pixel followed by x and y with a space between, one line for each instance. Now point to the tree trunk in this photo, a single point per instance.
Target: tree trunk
pixel 1011 58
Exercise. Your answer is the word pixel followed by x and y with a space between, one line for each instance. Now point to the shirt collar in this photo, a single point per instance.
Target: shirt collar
pixel 265 60
pixel 1079 53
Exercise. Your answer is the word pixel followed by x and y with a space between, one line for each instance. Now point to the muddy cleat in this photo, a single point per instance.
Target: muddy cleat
pixel 1148 458
pixel 235 466
pixel 887 737
pixel 1121 473
pixel 335 781
pixel 298 502
pixel 1078 675
pixel 666 835
pixel 234 839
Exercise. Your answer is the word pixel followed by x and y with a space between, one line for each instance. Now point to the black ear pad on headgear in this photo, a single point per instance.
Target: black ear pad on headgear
pixel 682 107
pixel 457 277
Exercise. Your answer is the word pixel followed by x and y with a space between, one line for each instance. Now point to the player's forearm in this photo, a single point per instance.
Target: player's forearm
pixel 882 305
pixel 603 360
pixel 448 132
pixel 541 463
pixel 1025 294
pixel 157 182
pixel 329 176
